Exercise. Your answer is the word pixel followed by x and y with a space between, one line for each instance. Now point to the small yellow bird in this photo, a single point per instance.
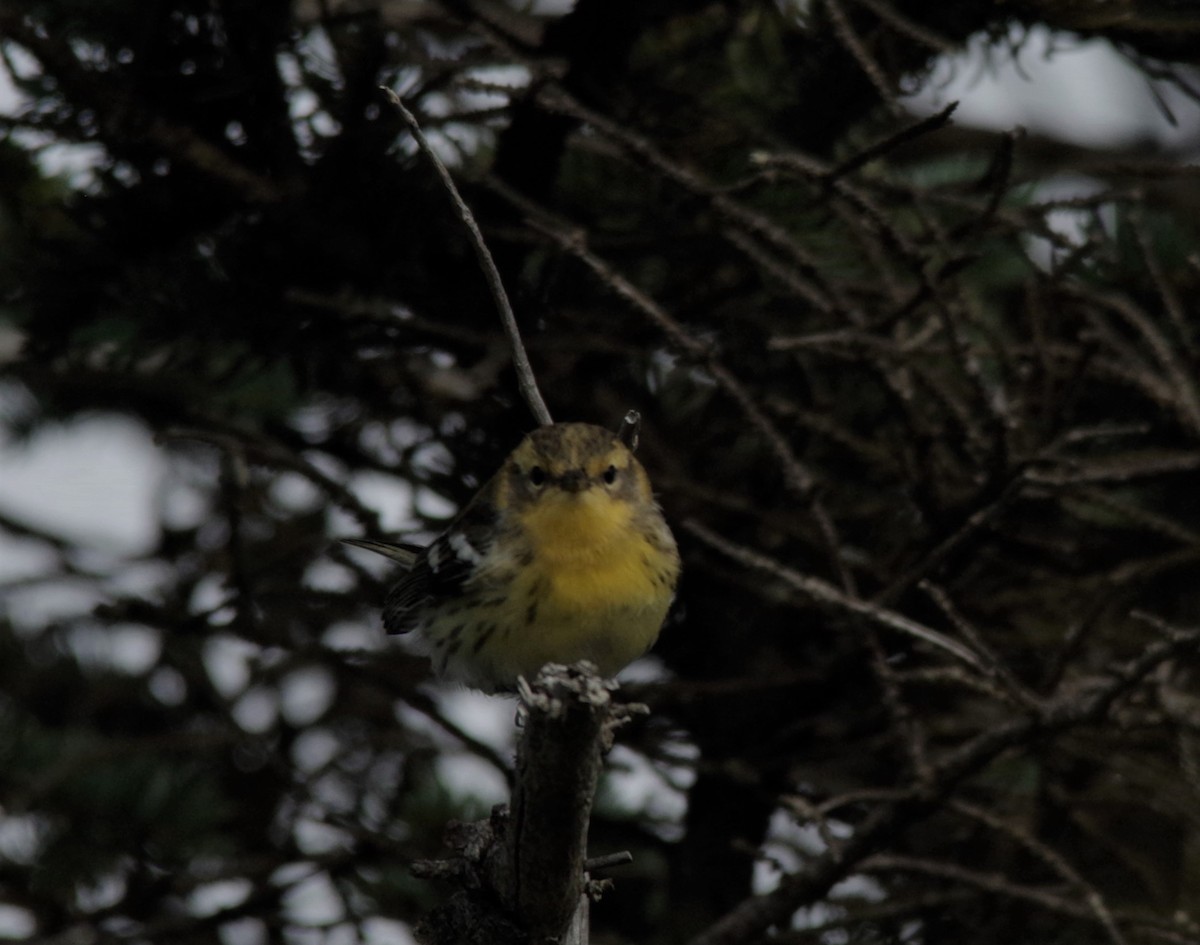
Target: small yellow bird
pixel 562 556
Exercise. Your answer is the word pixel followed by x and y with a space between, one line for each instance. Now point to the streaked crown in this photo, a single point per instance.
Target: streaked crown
pixel 572 458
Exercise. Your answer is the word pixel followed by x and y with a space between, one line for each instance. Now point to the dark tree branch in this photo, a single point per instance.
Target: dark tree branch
pixel 1067 711
pixel 523 874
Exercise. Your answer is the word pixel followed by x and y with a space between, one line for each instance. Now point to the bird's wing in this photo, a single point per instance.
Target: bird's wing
pixel 437 573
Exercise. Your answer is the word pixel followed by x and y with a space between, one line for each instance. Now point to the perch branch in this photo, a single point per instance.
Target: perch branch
pixel 568 717
pixel 523 875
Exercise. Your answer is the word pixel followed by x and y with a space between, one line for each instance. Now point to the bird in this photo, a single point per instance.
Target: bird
pixel 563 555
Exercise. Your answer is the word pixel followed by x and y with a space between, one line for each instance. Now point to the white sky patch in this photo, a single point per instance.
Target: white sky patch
pixel 33 607
pixel 1080 91
pixel 313 901
pixel 100 893
pixel 21 837
pixel 93 482
pixel 468 777
pixel 315 748
pixel 787 847
pixel 1070 223
pixel 649 668
pixel 208 594
pixel 228 662
pixel 432 505
pixel 183 505
pixel 168 686
pixel 315 53
pixel 306 694
pixel 211 898
pixel 243 931
pixel 345 636
pixel 75 161
pixel 330 576
pixel 12 101
pixel 380 931
pixel 130 648
pixel 294 492
pixel 389 496
pixel 317 838
pixel 505 79
pixel 631 783
pixel 16 923
pixel 491 719
pixel 257 711
pixel 22 558
pixel 139 578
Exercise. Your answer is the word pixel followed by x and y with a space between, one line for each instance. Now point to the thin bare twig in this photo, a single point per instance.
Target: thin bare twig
pixel 1053 859
pixel 1025 696
pixel 845 31
pixel 824 593
pixel 910 28
pixel 992 883
pixel 525 377
pixel 1166 291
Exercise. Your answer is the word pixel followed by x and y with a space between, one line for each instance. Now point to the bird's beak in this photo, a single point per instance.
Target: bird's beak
pixel 573 480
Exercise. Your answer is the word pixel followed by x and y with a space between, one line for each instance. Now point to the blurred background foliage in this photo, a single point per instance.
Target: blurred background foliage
pixel 949 375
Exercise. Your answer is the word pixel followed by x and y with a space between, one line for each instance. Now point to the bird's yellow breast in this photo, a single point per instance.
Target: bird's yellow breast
pixel 572 530
pixel 596 589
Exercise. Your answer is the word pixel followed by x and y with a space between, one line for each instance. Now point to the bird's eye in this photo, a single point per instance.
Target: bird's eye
pixel 537 475
pixel 610 475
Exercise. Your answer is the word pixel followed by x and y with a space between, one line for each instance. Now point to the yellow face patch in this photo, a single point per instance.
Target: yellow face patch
pixel 566 525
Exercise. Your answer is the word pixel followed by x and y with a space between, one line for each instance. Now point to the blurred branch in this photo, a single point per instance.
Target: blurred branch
pixel 258 446
pixel 132 120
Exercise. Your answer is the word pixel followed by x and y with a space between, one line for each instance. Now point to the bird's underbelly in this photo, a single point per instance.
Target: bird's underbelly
pixel 611 636
pixel 608 611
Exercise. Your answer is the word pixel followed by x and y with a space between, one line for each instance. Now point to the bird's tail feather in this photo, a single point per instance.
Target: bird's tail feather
pixel 405 554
